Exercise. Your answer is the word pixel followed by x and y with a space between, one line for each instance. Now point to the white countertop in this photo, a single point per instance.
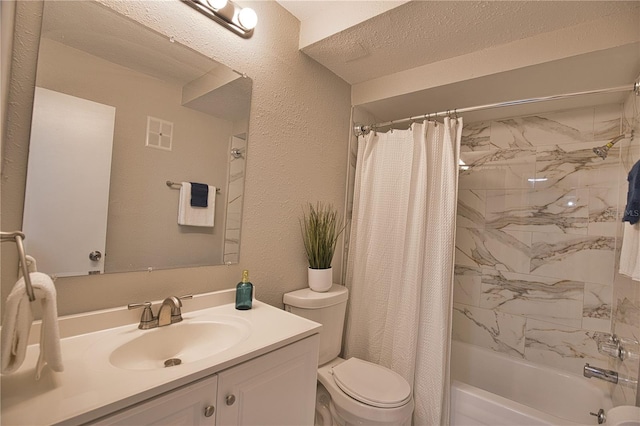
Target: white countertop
pixel 90 387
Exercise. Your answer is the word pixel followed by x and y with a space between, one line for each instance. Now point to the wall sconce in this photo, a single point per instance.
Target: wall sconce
pixel 240 20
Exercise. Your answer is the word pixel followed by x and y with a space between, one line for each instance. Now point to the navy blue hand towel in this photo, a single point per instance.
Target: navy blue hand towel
pixel 199 194
pixel 632 212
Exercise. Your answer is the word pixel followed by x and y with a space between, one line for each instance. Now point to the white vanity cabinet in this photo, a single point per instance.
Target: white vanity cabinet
pixel 267 377
pixel 191 405
pixel 277 388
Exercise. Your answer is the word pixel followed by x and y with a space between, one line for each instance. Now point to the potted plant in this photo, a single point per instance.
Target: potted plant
pixel 321 228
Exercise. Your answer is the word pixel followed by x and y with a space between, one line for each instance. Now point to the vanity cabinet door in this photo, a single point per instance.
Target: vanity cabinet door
pixel 277 389
pixel 191 405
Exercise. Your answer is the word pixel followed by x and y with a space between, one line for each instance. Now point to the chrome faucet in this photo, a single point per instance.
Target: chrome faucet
pixel 168 313
pixel 600 373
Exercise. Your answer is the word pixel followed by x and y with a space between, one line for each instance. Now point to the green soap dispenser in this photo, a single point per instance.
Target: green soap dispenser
pixel 244 292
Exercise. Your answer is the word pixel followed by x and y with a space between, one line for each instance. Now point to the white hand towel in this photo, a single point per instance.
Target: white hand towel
pixel 17 321
pixel 630 252
pixel 196 216
pixel 31 266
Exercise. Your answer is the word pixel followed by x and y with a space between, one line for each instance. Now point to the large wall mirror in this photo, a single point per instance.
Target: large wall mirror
pixel 120 112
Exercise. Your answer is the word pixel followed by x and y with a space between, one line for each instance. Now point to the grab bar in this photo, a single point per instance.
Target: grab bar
pixel 18 236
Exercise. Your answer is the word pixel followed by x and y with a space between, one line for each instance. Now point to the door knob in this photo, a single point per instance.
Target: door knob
pixel 95 255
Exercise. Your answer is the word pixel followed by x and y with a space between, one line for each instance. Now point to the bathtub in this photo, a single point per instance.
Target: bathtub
pixel 489 388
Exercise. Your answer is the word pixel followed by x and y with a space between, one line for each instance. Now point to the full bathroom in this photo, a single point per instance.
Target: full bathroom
pixel 478 158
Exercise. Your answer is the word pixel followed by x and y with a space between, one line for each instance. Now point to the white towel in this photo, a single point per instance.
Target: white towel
pixel 629 255
pixel 17 321
pixel 31 265
pixel 196 216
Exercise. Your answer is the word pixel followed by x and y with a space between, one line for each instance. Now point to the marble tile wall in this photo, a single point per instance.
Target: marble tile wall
pixel 538 236
pixel 626 293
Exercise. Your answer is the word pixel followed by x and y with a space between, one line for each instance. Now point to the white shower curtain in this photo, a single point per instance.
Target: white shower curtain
pixel 401 255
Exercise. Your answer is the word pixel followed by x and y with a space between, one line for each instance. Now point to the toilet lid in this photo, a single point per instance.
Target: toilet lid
pixel 371 384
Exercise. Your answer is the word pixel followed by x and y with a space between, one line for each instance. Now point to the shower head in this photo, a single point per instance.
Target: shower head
pixel 602 151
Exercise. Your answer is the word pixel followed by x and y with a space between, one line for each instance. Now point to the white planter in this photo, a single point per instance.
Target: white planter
pixel 320 279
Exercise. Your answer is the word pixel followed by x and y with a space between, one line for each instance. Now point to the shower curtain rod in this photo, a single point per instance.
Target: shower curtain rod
pixel 360 130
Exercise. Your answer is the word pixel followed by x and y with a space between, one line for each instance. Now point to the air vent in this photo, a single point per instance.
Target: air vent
pixel 159 133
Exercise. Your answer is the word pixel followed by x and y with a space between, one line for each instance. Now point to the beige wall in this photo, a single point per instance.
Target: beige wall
pixel 298 137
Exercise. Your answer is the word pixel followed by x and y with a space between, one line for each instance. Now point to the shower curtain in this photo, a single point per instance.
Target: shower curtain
pixel 401 255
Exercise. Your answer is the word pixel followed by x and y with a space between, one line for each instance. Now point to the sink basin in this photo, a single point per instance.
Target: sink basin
pixel 178 343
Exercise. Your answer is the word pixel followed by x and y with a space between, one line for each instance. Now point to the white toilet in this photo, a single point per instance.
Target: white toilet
pixel 353 391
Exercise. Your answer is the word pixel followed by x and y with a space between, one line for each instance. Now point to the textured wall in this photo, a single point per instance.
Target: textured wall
pixel 297 152
pixel 7 13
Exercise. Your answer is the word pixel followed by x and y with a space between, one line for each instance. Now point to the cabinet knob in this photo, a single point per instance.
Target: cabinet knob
pixel 231 399
pixel 209 410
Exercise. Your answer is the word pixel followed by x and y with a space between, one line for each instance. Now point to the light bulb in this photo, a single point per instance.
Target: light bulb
pixel 248 18
pixel 217 4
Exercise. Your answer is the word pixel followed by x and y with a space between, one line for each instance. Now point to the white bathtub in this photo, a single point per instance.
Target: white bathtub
pixel 489 388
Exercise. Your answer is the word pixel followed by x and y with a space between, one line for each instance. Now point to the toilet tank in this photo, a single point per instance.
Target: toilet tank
pixel 327 308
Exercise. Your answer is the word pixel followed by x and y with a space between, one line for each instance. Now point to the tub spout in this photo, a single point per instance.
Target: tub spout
pixel 600 373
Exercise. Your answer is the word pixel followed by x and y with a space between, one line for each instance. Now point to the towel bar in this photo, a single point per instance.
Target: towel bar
pixel 177 185
pixel 18 236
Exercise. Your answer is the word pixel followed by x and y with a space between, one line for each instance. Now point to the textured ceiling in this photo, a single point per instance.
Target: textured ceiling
pixel 547 79
pixel 419 33
pixel 422 32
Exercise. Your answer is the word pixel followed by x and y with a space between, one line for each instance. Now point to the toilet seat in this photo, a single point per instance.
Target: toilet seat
pixel 371 384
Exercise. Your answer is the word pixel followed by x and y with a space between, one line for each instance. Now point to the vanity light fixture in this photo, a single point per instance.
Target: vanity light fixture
pixel 240 20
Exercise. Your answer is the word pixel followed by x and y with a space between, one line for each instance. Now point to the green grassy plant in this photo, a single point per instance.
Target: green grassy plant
pixel 321 228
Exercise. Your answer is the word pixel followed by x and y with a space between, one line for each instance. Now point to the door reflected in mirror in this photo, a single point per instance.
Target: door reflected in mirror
pixel 176 116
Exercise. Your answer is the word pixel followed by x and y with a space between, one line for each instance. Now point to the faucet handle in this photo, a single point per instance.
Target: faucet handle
pixel 139 305
pixel 147 318
pixel 612 349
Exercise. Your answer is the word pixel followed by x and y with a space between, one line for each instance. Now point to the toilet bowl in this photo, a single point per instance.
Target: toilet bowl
pixel 624 415
pixel 390 396
pixel 352 391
